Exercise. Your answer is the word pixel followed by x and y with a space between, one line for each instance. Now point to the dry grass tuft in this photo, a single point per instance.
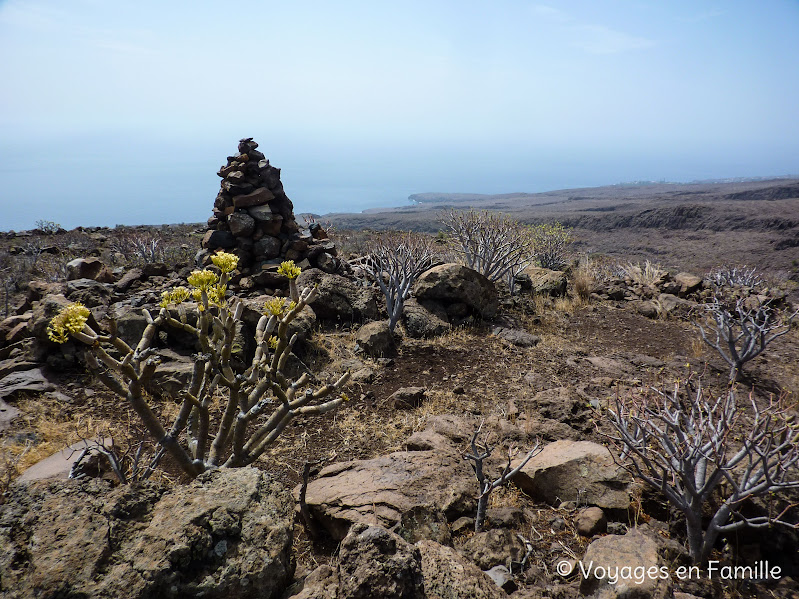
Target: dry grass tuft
pixel 645 275
pixel 584 280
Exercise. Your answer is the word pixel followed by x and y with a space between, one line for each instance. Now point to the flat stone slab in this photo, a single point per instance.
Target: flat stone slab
pixel 7 415
pixel 30 381
pixel 57 466
pixel 382 489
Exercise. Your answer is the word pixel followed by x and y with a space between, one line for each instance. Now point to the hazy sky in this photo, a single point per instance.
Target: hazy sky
pixel 122 111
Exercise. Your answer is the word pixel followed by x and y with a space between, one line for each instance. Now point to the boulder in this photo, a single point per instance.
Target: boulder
pixel 495 547
pixel 505 517
pixel 647 308
pixel 575 471
pixel 559 403
pixel 226 534
pixel 89 268
pixel 339 298
pixel 590 521
pixel 43 312
pixel 262 213
pixel 517 337
pixel 155 269
pixel 267 247
pixel 449 575
pixel 672 304
pixel 171 377
pixel 620 567
pixel 422 321
pixel 56 466
pixel 130 322
pixel 375 339
pixel 15 328
pixel 326 262
pixel 445 432
pixel 130 277
pixel 407 398
pixel 373 562
pixel 688 283
pixel 89 292
pixel 383 488
pixel 214 240
pixel 241 224
pixel 422 522
pixel 457 284
pixel 544 281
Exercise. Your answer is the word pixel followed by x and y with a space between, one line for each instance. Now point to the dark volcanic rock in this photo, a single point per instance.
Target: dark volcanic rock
pixel 226 534
pixel 253 214
pixel 451 284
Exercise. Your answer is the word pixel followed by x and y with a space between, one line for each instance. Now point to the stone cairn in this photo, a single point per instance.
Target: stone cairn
pixel 254 219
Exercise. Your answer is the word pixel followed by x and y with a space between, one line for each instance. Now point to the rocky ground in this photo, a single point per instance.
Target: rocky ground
pixel 390 497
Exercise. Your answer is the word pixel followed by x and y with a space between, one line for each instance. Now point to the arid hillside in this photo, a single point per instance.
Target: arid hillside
pixel 691 226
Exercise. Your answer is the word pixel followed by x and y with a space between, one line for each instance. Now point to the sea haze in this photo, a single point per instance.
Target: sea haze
pixel 107 181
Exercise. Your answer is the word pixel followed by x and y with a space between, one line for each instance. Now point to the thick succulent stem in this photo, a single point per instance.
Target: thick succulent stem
pixel 263 389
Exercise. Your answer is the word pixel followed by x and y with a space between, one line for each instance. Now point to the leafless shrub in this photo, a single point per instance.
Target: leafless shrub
pixel 480 452
pixel 48 227
pixel 32 250
pixel 139 247
pixel 311 222
pixel 394 262
pixel 742 331
pixel 148 247
pixel 491 243
pixel 692 446
pixel 727 276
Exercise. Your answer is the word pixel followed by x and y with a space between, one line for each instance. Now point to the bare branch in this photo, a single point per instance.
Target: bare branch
pixel 688 448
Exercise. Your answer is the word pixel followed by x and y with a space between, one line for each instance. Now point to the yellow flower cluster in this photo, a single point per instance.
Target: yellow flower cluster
pixel 225 262
pixel 174 296
pixel 203 279
pixel 277 306
pixel 215 293
pixel 273 342
pixel 289 269
pixel 69 320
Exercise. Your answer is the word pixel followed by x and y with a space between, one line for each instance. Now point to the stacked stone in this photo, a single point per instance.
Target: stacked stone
pixel 254 219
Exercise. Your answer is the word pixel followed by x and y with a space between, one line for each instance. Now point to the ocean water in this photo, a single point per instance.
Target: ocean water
pixel 106 180
pixel 91 190
pixel 80 186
